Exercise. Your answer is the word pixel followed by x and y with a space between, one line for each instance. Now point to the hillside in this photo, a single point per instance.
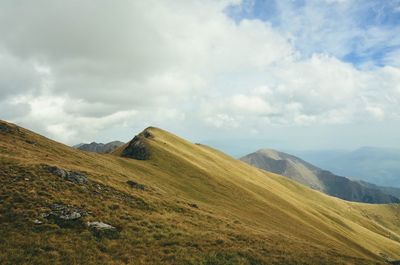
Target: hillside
pixel 180 204
pixel 316 178
pixel 99 147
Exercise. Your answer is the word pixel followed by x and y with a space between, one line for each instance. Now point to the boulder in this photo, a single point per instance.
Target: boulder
pixel 72 176
pixel 37 222
pixel 100 230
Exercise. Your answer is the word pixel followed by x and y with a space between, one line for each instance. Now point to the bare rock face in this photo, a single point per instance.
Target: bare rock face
pixel 72 176
pixel 137 148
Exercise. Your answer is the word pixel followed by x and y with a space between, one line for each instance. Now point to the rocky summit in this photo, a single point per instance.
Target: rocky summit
pixel 137 148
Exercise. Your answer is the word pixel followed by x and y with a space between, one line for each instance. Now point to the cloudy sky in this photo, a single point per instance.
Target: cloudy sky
pixel 239 75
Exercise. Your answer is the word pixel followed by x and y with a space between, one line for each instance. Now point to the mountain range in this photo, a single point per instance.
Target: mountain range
pixel 319 179
pixel 99 147
pixel 377 165
pixel 160 199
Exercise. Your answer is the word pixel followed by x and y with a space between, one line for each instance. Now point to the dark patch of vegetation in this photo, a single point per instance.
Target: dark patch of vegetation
pixel 134 184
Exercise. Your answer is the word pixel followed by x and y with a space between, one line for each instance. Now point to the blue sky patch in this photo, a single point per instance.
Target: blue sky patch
pixel 354 31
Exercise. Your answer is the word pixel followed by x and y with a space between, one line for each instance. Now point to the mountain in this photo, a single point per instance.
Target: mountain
pixel 316 178
pixel 160 199
pixel 380 166
pixel 388 190
pixel 99 147
pixel 78 145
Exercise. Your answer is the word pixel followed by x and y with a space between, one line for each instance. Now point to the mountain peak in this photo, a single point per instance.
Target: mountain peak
pixel 99 147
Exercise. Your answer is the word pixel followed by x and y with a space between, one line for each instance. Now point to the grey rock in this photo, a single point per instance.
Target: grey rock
pixel 66 216
pixel 137 149
pixel 77 177
pixel 72 176
pixel 100 229
pixel 100 225
pixel 37 222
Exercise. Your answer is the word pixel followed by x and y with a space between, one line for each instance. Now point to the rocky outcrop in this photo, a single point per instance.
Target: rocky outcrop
pixel 66 216
pixel 72 176
pixel 4 128
pixel 137 148
pixel 7 128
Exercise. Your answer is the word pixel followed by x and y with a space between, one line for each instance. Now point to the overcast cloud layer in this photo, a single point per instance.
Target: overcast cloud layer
pixel 103 70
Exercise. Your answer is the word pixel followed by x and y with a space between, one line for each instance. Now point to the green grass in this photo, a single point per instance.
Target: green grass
pixel 243 215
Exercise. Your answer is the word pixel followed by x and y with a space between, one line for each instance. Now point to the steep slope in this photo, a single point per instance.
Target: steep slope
pixel 100 147
pixel 182 204
pixel 316 178
pixel 286 165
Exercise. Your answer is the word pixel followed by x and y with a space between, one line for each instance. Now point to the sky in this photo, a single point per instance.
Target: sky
pixel 237 75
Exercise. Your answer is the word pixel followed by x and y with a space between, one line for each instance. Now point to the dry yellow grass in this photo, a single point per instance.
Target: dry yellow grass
pixel 243 215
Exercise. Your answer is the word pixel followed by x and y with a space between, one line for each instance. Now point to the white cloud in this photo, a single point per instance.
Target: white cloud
pixel 319 90
pixel 73 69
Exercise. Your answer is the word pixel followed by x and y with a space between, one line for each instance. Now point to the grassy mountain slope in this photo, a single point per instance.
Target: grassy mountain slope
pixel 316 178
pixel 287 165
pixel 198 206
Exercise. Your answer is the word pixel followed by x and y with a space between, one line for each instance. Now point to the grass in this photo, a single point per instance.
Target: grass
pixel 242 215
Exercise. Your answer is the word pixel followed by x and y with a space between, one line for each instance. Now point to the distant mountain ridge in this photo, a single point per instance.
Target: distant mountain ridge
pixel 99 147
pixel 388 190
pixel 372 164
pixel 316 178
